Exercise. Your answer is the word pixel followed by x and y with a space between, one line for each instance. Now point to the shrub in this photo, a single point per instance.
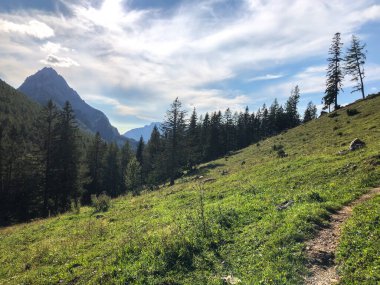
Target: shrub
pixel 333 115
pixel 352 112
pixel 277 147
pixel 101 203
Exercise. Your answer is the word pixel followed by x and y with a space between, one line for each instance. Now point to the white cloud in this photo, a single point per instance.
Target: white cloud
pixel 265 77
pixel 54 60
pixel 184 53
pixel 33 28
pixel 54 48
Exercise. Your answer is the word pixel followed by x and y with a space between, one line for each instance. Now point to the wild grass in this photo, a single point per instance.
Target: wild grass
pixel 197 233
pixel 359 248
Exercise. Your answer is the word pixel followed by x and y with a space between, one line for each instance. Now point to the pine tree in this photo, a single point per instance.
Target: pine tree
pixel 67 154
pixel 95 163
pixel 229 140
pixel 153 152
pixel 111 171
pixel 354 62
pixel 174 131
pixel 334 76
pixel 47 126
pixel 310 112
pixel 192 139
pixel 133 176
pixel 205 137
pixel 215 146
pixel 125 157
pixel 292 115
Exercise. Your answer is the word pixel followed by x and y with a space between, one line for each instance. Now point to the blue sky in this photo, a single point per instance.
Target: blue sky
pixel 132 58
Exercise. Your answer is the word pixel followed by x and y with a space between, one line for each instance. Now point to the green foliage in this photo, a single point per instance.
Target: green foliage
pixel 100 203
pixel 334 76
pixel 354 64
pixel 359 248
pixel 352 112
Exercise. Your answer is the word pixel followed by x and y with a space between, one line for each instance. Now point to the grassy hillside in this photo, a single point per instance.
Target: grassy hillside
pixel 198 232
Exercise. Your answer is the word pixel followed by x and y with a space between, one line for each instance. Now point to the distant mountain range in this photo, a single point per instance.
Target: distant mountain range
pixel 145 132
pixel 47 84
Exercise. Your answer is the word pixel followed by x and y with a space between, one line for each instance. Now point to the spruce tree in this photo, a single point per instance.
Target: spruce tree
pixel 192 140
pixel 67 154
pixel 112 171
pixel 133 176
pixel 205 137
pixel 95 164
pixel 174 131
pixel 334 76
pixel 354 64
pixel 125 157
pixel 140 150
pixel 310 112
pixel 153 152
pixel 47 130
pixel 292 115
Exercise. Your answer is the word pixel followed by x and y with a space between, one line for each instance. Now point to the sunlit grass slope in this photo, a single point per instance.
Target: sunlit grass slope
pixel 197 233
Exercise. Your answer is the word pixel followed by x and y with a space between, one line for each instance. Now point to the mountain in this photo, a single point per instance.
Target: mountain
pixel 47 84
pixel 145 132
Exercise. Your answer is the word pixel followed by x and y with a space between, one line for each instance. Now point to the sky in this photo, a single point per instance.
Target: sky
pixel 132 58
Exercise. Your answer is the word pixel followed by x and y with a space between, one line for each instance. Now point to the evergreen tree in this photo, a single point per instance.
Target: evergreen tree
pixel 355 60
pixel 292 115
pixel 47 123
pixel 133 176
pixel 112 171
pixel 125 157
pixel 140 150
pixel 310 112
pixel 174 131
pixel 95 163
pixel 229 135
pixel 193 138
pixel 215 145
pixel 275 117
pixel 334 76
pixel 153 152
pixel 67 159
pixel 205 137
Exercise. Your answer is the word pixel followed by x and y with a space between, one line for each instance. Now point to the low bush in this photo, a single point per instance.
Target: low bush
pixel 101 203
pixel 352 112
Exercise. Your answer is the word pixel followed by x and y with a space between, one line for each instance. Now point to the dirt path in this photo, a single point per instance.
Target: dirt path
pixel 321 249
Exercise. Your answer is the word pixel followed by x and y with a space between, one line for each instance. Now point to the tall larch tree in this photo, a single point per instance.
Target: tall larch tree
pixel 354 64
pixel 334 76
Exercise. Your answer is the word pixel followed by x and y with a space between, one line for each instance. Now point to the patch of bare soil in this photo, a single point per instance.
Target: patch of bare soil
pixel 321 250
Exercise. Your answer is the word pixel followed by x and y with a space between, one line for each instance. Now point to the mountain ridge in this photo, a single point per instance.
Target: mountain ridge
pixel 47 84
pixel 144 131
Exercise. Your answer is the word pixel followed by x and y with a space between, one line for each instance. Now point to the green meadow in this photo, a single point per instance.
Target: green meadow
pixel 223 220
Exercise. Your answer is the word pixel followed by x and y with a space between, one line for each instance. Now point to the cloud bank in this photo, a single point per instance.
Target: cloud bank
pixel 210 54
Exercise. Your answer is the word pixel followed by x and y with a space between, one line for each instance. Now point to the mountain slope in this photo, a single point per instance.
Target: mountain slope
pixel 16 109
pixel 231 224
pixel 145 132
pixel 47 84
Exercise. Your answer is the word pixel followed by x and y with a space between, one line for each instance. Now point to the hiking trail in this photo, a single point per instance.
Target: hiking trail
pixel 321 249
